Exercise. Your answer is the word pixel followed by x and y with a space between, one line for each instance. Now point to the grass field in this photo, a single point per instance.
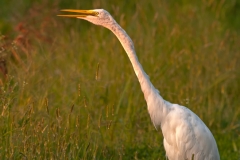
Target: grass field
pixel 71 93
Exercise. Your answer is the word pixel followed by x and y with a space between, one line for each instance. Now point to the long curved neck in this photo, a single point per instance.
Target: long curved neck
pixel 157 106
pixel 127 44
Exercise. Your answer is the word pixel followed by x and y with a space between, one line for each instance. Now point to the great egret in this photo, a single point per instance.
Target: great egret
pixel 185 134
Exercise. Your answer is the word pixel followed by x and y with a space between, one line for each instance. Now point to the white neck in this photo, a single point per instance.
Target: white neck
pixel 155 102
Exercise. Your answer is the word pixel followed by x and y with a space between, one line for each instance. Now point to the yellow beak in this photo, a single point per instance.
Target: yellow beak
pixel 82 13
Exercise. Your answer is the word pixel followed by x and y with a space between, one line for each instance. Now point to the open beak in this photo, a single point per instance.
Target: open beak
pixel 81 13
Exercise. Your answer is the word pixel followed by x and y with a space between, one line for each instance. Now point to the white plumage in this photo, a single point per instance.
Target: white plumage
pixel 185 134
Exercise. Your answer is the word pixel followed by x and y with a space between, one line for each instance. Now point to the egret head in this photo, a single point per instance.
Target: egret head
pixel 96 16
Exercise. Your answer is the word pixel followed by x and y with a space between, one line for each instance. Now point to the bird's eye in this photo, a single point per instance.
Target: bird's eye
pixel 96 13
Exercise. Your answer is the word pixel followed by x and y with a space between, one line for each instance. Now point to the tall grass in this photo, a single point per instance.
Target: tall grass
pixel 71 93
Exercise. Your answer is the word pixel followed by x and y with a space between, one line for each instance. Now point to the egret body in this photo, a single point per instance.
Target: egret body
pixel 185 134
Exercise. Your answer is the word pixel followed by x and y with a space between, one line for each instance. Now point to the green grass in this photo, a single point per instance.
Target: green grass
pixel 71 92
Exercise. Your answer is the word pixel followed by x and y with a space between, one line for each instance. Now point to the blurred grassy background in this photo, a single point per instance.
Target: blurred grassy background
pixel 68 90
